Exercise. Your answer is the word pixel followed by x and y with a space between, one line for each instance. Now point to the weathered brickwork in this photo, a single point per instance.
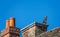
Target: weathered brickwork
pixel 11 30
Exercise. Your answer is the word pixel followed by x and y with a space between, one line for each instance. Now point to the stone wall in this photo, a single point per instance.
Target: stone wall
pixel 51 33
pixel 29 33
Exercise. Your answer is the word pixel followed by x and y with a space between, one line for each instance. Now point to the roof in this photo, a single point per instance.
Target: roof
pixel 50 32
pixel 33 24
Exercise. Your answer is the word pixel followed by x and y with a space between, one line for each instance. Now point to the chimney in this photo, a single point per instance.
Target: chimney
pixel 7 23
pixel 12 22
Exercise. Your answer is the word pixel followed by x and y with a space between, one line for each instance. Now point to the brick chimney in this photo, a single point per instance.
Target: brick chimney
pixel 7 23
pixel 10 30
pixel 12 22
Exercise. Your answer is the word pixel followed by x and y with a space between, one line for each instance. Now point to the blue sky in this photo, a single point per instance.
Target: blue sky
pixel 28 11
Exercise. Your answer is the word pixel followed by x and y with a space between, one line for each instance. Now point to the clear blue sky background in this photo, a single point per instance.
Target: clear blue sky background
pixel 28 11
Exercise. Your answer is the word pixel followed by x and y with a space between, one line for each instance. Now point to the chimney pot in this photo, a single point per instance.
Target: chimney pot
pixel 12 22
pixel 7 23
